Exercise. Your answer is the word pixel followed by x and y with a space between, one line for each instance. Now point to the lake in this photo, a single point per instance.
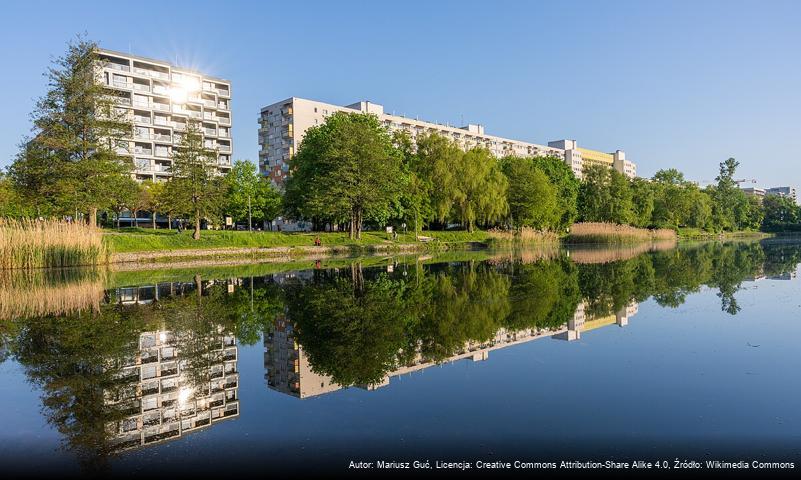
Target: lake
pixel 537 355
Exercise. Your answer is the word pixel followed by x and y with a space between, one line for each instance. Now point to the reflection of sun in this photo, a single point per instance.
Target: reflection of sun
pixel 184 395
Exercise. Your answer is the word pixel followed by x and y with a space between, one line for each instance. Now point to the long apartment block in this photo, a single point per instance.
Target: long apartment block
pixel 160 99
pixel 283 124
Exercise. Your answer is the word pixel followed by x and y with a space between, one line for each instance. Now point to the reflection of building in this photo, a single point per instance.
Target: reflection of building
pixel 172 383
pixel 286 367
pixel 580 323
pixel 162 396
pixel 283 125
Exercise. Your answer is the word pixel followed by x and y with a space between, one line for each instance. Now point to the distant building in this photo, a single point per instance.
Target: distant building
pixel 283 125
pixel 782 192
pixel 754 192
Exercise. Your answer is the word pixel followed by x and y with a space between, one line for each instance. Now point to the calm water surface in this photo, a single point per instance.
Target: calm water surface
pixel 687 352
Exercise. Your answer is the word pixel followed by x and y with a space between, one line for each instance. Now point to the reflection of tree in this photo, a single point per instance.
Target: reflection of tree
pixel 468 303
pixel 72 359
pixel 543 294
pixel 351 327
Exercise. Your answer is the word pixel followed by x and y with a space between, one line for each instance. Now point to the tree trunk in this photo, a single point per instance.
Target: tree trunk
pixel 118 220
pixel 154 219
pixel 92 220
pixel 352 224
pixel 134 222
pixel 358 224
pixel 196 233
pixel 169 222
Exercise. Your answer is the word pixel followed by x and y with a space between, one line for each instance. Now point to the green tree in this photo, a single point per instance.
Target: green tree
pixel 480 189
pixel 346 168
pixel 567 188
pixel 78 130
pixel 642 198
pixel 605 196
pixel 243 184
pixel 195 186
pixel 124 196
pixel 781 213
pixel 531 197
pixel 729 202
pixel 436 165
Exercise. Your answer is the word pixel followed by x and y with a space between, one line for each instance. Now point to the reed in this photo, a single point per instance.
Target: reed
pixel 525 236
pixel 612 233
pixel 49 244
pixel 35 293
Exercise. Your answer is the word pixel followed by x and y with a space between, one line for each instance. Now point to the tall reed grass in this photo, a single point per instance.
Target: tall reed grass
pixel 525 235
pixel 49 243
pixel 612 233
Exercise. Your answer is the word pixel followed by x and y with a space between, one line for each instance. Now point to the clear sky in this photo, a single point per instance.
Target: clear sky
pixel 682 84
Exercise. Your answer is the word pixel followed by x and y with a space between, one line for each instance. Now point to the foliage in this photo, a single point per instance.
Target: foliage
pixel 195 187
pixel 71 161
pixel 531 196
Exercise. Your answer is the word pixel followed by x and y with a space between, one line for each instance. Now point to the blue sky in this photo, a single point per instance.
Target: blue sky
pixel 673 83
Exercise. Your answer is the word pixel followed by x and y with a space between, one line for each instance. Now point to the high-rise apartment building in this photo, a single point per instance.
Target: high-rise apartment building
pixel 283 124
pixel 782 192
pixel 160 99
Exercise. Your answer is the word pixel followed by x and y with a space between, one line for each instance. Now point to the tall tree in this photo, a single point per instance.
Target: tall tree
pixel 480 189
pixel 566 185
pixel 531 197
pixel 250 196
pixel 78 130
pixel 195 186
pixel 346 168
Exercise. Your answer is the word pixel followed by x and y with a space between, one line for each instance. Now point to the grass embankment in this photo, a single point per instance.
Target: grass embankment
pixel 49 243
pixel 698 234
pixel 137 240
pixel 611 233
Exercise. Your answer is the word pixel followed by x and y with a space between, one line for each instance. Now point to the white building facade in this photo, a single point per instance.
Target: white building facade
pixel 283 124
pixel 160 99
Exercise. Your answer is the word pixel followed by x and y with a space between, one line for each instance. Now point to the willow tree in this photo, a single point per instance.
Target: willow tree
pixel 78 128
pixel 481 186
pixel 195 187
pixel 345 170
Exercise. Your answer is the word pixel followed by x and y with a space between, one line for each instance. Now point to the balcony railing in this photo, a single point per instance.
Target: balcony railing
pixel 179 126
pixel 141 88
pixel 143 151
pixel 120 84
pixel 210 103
pixel 161 106
pixel 223 92
pixel 162 121
pixel 222 106
pixel 159 90
pixel 117 66
pixel 162 137
pixel 224 120
pixel 210 131
pixel 162 152
pixel 224 148
pixel 151 73
pixel 139 119
pixel 195 114
pixel 143 135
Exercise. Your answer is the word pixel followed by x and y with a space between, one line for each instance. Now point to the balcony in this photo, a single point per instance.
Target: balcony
pixel 162 137
pixel 120 84
pixel 143 151
pixel 140 119
pixel 224 92
pixel 151 73
pixel 143 135
pixel 222 106
pixel 117 66
pixel 139 87
pixel 225 148
pixel 210 131
pixel 179 126
pixel 195 114
pixel 210 103
pixel 224 120
pixel 164 107
pixel 161 121
pixel 162 168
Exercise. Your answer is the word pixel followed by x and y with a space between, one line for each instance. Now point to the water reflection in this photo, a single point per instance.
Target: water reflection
pixel 140 364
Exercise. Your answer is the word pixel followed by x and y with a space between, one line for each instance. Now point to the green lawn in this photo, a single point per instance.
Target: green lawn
pixel 146 240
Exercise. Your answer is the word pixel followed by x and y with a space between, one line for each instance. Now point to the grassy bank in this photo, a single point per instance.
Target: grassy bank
pixel 698 234
pixel 145 240
pixel 49 244
pixel 611 233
